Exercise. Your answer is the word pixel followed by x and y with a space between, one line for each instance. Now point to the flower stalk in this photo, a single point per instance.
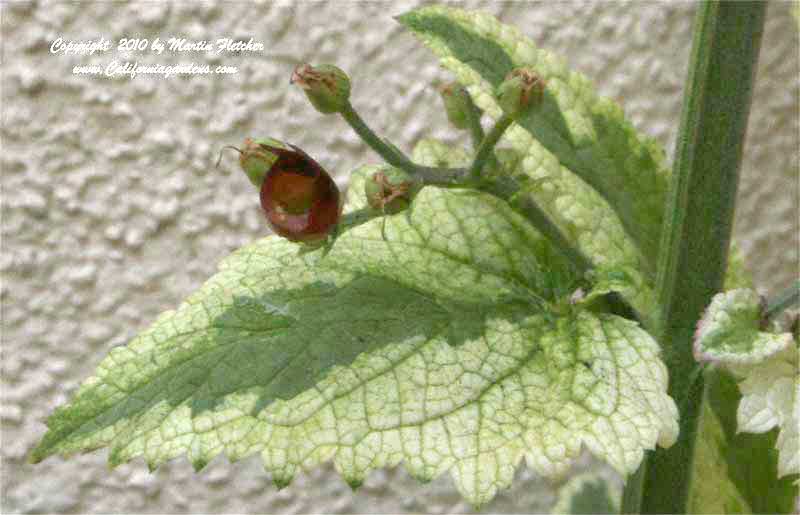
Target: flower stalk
pixel 486 148
pixel 390 154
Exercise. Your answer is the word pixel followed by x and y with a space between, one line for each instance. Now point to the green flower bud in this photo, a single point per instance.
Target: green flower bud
pixel 508 160
pixel 522 90
pixel 326 86
pixel 256 160
pixel 388 190
pixel 456 104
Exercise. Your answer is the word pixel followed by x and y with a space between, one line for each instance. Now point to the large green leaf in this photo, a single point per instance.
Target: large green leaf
pixel 436 347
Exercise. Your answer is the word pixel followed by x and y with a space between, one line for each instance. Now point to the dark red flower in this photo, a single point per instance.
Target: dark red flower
pixel 299 198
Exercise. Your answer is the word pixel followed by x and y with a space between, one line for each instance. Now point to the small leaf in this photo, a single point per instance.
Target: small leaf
pixel 729 331
pixel 771 398
pixel 729 334
pixel 606 280
pixel 737 471
pixel 434 347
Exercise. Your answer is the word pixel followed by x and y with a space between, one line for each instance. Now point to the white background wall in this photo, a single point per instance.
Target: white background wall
pixel 112 210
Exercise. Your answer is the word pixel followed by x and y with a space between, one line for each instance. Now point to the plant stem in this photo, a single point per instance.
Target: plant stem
pixel 697 227
pixel 477 135
pixel 783 301
pixel 487 145
pixel 474 120
pixel 390 154
pixel 505 188
pixel 393 156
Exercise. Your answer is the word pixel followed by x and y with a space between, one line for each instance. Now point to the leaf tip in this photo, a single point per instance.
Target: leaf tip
pixel 198 464
pixel 477 506
pixel 411 19
pixel 404 18
pixel 281 482
pixel 354 483
pixel 115 458
pixel 36 455
pixel 42 450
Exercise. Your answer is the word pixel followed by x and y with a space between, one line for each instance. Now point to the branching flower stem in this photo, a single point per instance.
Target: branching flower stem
pixel 474 120
pixel 393 156
pixel 486 148
pixel 505 188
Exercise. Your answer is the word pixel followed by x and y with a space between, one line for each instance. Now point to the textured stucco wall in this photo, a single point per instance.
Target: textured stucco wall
pixel 112 210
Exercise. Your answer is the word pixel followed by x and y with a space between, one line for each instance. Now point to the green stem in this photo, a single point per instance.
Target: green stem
pixel 474 121
pixel 486 147
pixel 456 177
pixel 697 227
pixel 393 156
pixel 783 301
pixel 507 188
pixel 504 188
pixel 390 154
pixel 632 493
